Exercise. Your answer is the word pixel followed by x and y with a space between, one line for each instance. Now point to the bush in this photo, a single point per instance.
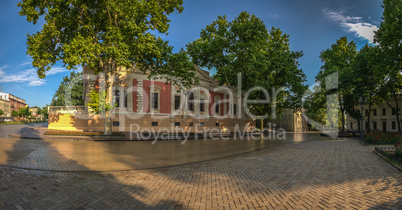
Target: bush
pixel 398 150
pixel 383 138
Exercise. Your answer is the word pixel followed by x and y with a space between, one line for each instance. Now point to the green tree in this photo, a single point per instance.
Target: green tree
pixel 44 111
pixel 14 113
pixel 70 91
pixel 23 112
pixel 363 81
pixel 1 112
pixel 263 58
pixel 389 37
pixel 338 58
pixel 314 106
pixel 107 36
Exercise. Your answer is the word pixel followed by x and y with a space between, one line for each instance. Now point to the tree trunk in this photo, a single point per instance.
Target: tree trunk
pixel 368 118
pixel 343 120
pixel 262 129
pixel 358 123
pixel 109 100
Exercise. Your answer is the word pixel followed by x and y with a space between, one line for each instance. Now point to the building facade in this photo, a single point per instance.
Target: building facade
pixel 14 102
pixel 290 120
pixel 142 104
pixel 382 117
pixel 5 106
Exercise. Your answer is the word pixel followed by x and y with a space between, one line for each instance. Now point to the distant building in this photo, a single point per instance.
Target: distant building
pixel 382 117
pixel 290 120
pixel 34 111
pixel 15 103
pixel 5 106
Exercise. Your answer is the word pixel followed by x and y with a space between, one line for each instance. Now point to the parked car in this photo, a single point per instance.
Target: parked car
pixel 8 120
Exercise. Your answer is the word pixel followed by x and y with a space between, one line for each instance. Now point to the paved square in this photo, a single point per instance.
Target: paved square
pixel 335 174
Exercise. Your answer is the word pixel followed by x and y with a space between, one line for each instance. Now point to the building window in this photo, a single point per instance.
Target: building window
pixel 125 99
pixel 375 125
pixel 217 106
pixel 154 100
pixel 234 109
pixel 367 125
pixel 177 124
pixel 191 101
pixel 393 111
pixel 351 125
pixel 217 124
pixel 202 105
pixel 366 112
pixel 190 124
pixel 202 124
pixel 393 125
pixel 154 123
pixel 177 102
pixel 384 111
pixel 374 112
pixel 116 98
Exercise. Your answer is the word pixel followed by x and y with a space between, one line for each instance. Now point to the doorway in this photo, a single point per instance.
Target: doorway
pixel 384 126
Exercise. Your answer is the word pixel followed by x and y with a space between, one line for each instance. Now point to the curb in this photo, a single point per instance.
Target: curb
pixel 394 165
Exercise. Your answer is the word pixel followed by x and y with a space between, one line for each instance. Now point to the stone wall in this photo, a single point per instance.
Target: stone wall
pixel 123 123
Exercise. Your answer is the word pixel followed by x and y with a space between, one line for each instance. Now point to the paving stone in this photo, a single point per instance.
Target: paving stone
pixel 334 174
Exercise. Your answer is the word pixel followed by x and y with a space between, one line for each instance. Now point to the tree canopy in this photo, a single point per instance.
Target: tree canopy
pixel 338 59
pixel 70 91
pixel 263 58
pixel 389 38
pixel 107 36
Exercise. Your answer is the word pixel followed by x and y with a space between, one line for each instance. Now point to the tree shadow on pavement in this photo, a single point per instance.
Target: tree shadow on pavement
pixel 45 189
pixel 341 169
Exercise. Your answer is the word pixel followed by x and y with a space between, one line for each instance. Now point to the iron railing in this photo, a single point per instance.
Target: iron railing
pixel 67 109
pixel 388 152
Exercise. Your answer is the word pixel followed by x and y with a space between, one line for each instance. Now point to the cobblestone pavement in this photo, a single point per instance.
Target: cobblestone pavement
pixel 82 155
pixel 335 174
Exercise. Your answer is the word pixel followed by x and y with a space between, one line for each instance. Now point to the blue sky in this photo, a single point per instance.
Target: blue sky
pixel 313 25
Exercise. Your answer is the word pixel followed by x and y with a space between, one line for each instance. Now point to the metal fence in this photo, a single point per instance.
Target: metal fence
pixel 388 153
pixel 67 109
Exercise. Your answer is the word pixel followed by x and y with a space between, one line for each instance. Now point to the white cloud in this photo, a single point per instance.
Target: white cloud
pixel 28 75
pixel 55 70
pixel 1 70
pixel 37 83
pixel 352 24
pixel 26 63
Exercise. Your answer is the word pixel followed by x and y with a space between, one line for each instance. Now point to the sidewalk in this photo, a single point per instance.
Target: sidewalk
pixel 39 133
pixel 316 174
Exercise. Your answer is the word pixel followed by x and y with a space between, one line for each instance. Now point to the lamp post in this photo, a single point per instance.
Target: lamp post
pixel 361 117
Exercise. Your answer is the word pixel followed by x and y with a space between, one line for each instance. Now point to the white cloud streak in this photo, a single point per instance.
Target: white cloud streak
pixel 28 75
pixel 26 63
pixel 352 24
